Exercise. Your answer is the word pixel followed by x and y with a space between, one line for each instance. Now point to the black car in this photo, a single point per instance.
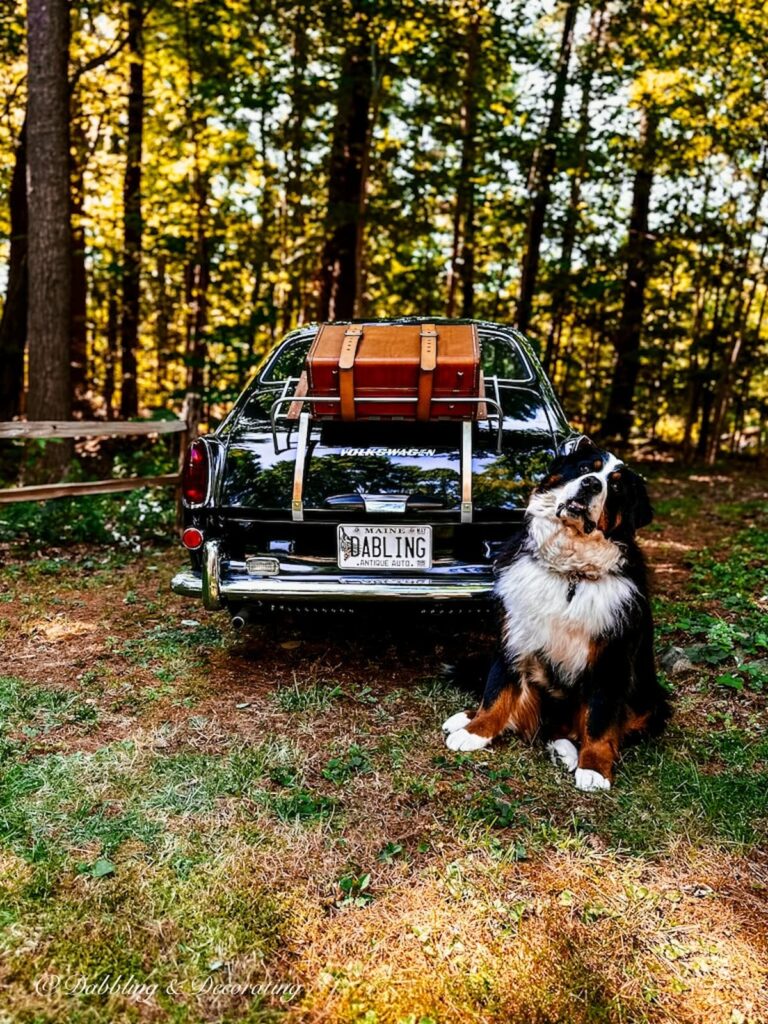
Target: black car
pixel 281 509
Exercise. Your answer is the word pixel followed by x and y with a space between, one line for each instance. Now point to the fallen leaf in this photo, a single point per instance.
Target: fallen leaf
pixel 102 868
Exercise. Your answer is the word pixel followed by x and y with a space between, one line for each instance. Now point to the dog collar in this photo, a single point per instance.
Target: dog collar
pixel 574 579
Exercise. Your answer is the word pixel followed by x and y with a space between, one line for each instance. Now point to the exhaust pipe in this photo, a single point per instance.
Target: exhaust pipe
pixel 240 619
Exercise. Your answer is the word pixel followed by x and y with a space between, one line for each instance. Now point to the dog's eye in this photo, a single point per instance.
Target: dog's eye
pixel 584 468
pixel 615 482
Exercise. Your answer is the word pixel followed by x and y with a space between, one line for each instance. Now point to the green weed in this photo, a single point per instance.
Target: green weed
pixel 341 769
pixel 312 695
pixel 355 890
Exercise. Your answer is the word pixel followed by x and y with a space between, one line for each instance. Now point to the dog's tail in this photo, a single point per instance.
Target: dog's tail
pixel 654 720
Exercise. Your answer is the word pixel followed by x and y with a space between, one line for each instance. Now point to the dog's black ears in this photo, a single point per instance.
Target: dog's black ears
pixel 571 445
pixel 576 443
pixel 639 507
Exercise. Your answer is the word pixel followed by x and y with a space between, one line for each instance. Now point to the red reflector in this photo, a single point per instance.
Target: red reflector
pixel 194 479
pixel 192 538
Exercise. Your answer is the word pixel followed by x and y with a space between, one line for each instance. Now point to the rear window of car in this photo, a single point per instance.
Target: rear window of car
pixel 288 362
pixel 500 357
pixel 508 379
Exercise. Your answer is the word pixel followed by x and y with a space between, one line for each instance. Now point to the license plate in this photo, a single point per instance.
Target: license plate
pixel 385 547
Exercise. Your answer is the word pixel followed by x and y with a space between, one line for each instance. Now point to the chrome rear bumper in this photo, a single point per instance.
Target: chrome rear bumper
pixel 223 582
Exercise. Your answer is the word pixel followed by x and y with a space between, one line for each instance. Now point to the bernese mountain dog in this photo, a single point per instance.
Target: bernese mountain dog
pixel 576 664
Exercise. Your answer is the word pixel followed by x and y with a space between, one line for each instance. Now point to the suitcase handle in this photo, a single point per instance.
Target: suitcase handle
pixel 426 371
pixel 352 337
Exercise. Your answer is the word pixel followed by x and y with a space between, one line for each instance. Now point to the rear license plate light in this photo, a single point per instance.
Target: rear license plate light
pixel 256 566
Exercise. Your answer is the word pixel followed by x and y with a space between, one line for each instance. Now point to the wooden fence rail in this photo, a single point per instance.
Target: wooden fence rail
pixel 44 492
pixel 48 429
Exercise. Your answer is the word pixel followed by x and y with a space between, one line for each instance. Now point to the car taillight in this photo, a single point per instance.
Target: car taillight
pixel 194 479
pixel 192 538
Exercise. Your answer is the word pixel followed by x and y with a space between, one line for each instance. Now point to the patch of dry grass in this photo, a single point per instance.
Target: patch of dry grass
pixel 577 937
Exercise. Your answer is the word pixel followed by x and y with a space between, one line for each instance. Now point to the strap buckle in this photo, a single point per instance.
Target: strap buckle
pixel 427 364
pixel 352 337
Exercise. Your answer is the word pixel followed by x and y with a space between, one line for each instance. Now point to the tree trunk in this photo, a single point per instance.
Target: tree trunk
pixel 619 416
pixel 338 272
pixel 78 348
pixel 294 218
pixel 740 319
pixel 542 172
pixel 162 321
pixel 132 219
pixel 560 292
pixel 722 293
pixel 110 358
pixel 453 277
pixel 13 323
pixel 701 294
pixel 50 238
pixel 360 264
pixel 198 279
pixel 462 271
pixel 262 310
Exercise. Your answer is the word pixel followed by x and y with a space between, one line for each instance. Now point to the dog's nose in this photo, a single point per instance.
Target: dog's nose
pixel 591 485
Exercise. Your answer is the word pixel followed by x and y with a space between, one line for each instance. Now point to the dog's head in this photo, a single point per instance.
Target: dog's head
pixel 590 489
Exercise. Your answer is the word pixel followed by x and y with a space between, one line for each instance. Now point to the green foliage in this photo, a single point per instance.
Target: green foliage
pixel 169 646
pixel 498 809
pixel 739 573
pixel 734 573
pixel 30 711
pixel 300 804
pixel 52 805
pixel 240 108
pixel 388 853
pixel 130 521
pixel 355 889
pixel 341 769
pixel 677 790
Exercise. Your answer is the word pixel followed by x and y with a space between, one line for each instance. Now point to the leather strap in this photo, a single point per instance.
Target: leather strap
pixel 352 337
pixel 426 370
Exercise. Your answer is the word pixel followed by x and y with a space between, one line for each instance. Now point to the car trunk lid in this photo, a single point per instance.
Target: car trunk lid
pixel 384 469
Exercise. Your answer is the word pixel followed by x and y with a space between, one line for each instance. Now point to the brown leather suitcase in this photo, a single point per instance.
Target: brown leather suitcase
pixel 385 371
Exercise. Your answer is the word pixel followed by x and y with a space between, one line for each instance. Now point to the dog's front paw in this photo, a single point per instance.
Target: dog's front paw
pixel 590 781
pixel 458 721
pixel 460 739
pixel 563 752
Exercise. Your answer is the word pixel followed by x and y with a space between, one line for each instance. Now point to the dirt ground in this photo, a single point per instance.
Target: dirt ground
pixel 200 825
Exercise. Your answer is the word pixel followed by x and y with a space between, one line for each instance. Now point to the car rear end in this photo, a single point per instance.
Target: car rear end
pixel 287 511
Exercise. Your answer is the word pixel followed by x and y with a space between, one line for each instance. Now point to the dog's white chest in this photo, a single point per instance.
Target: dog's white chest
pixel 540 619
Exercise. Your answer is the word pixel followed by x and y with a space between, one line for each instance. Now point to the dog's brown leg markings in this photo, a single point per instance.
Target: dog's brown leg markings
pixel 636 722
pixel 510 701
pixel 488 721
pixel 601 755
pixel 598 753
pixel 515 707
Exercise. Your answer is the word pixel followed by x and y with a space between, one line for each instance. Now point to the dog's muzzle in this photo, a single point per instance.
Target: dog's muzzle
pixel 577 508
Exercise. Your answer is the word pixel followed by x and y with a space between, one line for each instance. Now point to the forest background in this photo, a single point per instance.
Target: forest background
pixel 183 181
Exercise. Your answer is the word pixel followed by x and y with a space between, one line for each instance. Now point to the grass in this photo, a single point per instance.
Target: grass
pixel 309 696
pixel 216 817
